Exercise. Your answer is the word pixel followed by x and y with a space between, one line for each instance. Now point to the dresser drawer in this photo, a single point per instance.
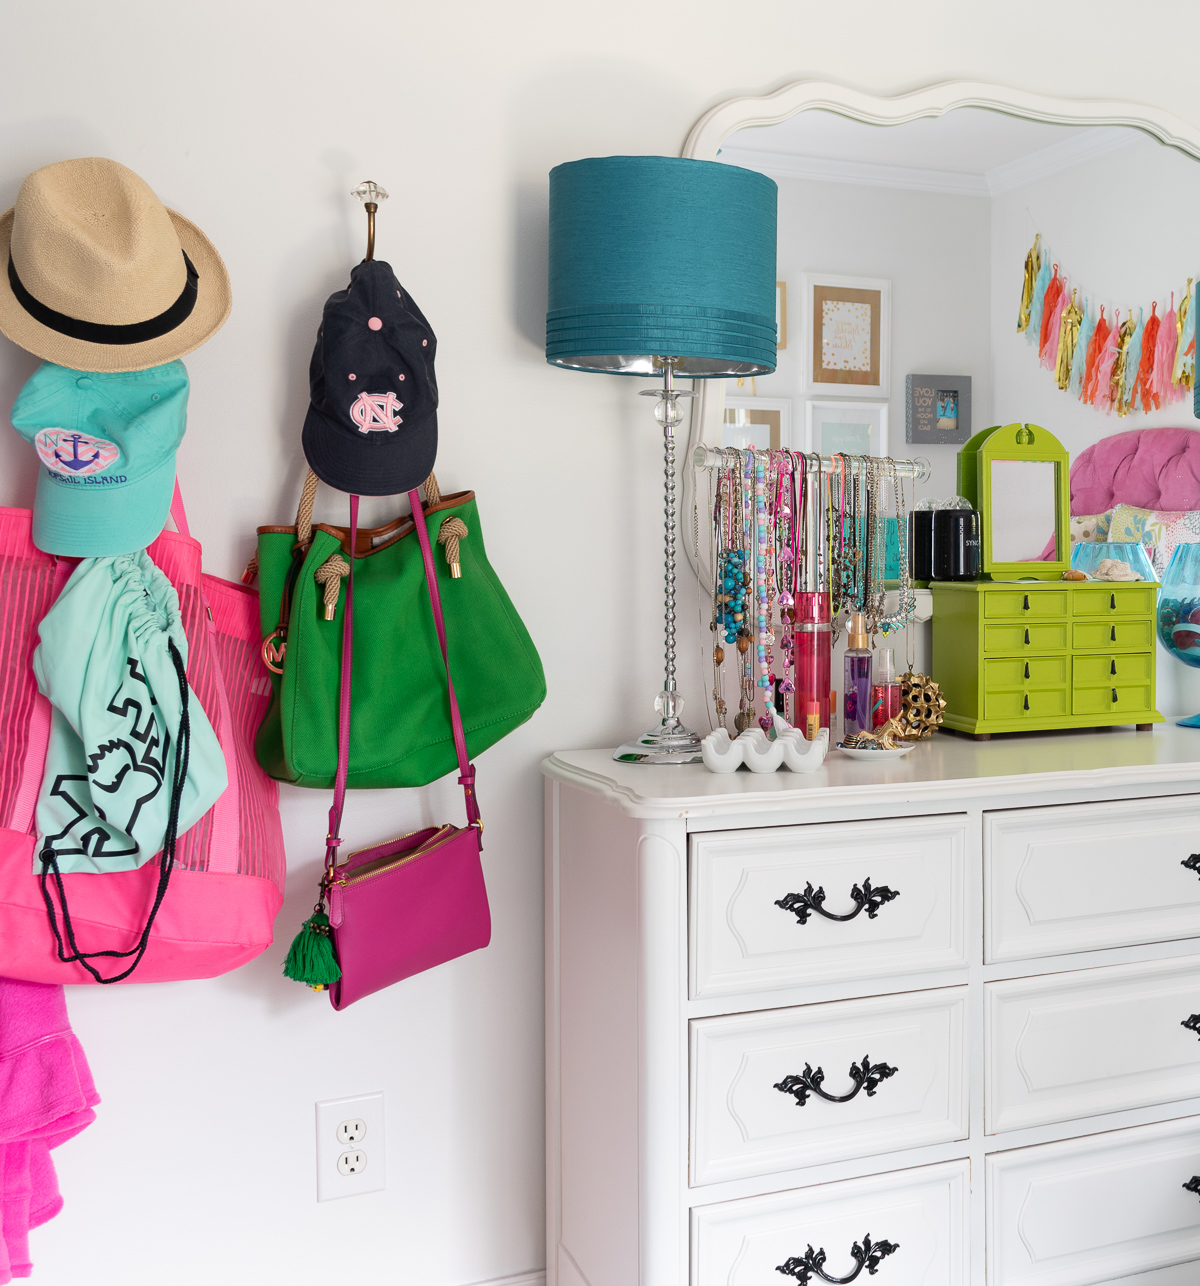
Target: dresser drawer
pixel 1016 639
pixel 1020 604
pixel 1066 1046
pixel 1103 600
pixel 753 896
pixel 763 1083
pixel 1093 1209
pixel 1036 703
pixel 1080 877
pixel 1026 672
pixel 1126 636
pixel 1110 668
pixel 1132 699
pixel 916 1220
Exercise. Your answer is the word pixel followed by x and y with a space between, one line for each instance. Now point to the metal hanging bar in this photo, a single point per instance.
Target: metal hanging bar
pixel 718 458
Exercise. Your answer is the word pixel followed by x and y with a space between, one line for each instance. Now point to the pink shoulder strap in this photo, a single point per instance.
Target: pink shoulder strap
pixel 466 769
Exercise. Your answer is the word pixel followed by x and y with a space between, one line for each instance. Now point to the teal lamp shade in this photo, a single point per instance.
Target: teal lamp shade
pixel 654 256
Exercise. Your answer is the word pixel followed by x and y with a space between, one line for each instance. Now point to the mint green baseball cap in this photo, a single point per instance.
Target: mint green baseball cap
pixel 106 447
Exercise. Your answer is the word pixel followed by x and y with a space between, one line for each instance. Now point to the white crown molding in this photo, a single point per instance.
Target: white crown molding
pixel 717 124
pixel 864 173
pixel 1057 157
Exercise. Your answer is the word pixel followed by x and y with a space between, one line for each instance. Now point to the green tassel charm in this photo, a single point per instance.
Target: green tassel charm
pixel 310 958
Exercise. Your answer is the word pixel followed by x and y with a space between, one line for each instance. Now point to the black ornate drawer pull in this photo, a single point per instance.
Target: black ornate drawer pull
pixel 1112 634
pixel 869 1255
pixel 865 1075
pixel 867 898
pixel 1192 1185
pixel 1192 863
pixel 1112 602
pixel 1113 665
pixel 1026 700
pixel 1114 696
pixel 1027 602
pixel 1027 669
pixel 1027 638
pixel 1192 1024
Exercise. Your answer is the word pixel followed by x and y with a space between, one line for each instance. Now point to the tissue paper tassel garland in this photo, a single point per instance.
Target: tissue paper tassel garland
pixel 1123 366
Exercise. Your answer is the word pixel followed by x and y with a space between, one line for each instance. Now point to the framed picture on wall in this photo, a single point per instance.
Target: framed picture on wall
pixel 937 409
pixel 847 334
pixel 781 315
pixel 764 423
pixel 846 428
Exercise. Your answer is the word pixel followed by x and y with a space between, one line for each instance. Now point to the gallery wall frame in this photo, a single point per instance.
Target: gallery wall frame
pixel 846 334
pixel 764 423
pixel 846 426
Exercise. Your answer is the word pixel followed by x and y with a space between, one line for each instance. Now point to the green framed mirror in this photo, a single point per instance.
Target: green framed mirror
pixel 1018 477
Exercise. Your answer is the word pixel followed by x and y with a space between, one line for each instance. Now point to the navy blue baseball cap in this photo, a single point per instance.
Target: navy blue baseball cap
pixel 371 427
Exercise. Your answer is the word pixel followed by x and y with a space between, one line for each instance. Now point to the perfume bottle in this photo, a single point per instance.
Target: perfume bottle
pixel 885 690
pixel 856 707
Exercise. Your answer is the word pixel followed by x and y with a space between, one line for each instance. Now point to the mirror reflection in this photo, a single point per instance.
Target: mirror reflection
pixel 942 211
pixel 1022 513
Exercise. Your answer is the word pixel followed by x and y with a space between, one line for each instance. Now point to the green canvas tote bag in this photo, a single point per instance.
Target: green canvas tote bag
pixel 400 732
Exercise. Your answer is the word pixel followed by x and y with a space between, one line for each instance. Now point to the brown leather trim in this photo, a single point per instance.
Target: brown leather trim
pixel 373 539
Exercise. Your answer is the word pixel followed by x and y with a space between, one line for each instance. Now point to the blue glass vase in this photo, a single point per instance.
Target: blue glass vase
pixel 1179 612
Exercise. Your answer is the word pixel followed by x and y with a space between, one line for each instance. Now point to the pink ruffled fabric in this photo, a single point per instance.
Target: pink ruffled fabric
pixel 46 1097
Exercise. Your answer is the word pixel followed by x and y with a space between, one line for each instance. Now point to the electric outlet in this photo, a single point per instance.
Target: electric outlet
pixel 350 1146
pixel 352 1131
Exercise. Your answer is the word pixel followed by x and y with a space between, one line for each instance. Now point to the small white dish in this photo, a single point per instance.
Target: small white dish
pixel 867 753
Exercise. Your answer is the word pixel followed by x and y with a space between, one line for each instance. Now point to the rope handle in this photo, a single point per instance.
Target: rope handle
pixel 304 522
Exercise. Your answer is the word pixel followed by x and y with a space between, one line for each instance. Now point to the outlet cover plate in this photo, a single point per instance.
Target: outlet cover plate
pixel 331 1114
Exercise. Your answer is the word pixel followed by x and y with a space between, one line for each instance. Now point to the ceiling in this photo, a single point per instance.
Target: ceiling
pixel 971 151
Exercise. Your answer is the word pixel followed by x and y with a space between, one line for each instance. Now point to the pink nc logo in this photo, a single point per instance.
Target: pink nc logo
pixel 375 411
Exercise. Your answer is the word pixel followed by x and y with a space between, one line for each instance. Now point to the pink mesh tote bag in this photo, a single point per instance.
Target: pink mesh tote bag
pixel 226 884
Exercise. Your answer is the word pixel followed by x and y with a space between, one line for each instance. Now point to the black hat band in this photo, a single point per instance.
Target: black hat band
pixel 101 332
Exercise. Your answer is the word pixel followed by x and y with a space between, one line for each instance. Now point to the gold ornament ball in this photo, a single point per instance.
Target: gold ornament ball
pixel 743 643
pixel 719 655
pixel 921 706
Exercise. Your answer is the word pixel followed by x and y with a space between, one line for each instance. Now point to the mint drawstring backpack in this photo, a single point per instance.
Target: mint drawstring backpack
pixel 131 761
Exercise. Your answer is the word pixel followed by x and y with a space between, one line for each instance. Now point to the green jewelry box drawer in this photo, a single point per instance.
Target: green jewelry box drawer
pixel 1025 638
pixel 1102 600
pixel 1036 703
pixel 1034 672
pixel 1135 698
pixel 1017 604
pixel 1129 636
pixel 1095 671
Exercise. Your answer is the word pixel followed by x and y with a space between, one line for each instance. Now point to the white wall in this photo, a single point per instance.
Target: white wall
pixel 255 118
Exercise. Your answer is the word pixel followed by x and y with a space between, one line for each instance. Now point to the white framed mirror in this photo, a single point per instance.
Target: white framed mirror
pixel 940 192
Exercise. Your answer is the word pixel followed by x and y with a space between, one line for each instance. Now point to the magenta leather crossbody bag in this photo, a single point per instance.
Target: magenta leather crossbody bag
pixel 404 906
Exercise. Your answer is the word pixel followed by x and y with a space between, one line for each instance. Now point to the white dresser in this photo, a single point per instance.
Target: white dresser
pixel 974 1069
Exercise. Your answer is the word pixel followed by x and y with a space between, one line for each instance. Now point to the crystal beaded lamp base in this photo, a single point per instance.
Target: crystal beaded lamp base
pixel 669 743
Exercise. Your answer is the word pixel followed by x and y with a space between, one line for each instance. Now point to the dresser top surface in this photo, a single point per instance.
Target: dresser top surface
pixel 943 769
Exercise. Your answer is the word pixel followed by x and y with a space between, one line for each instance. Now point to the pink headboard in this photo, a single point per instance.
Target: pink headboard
pixel 1149 468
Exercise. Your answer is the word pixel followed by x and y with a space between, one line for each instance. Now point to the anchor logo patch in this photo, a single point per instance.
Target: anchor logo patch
pixel 74 455
pixel 375 412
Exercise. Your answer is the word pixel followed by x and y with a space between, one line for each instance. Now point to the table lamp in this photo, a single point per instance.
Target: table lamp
pixel 662 267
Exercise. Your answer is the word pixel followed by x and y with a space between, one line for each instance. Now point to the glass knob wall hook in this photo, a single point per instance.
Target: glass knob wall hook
pixel 370 194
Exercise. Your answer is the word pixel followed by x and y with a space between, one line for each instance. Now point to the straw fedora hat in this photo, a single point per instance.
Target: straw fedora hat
pixel 97 274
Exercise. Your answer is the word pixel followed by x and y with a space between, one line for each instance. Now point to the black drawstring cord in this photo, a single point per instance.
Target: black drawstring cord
pixel 183 745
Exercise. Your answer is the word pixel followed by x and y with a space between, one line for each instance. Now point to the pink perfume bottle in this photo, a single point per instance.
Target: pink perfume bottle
pixel 885 691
